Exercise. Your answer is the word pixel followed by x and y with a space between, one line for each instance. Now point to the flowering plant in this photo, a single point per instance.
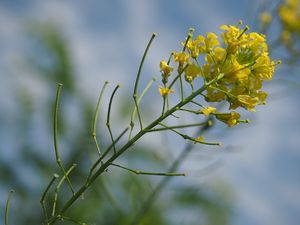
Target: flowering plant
pixel 230 70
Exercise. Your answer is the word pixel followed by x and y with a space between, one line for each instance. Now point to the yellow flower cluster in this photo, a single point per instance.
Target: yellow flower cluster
pixel 245 63
pixel 239 57
pixel 289 14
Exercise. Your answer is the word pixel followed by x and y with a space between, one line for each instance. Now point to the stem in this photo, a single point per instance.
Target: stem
pixel 108 116
pixel 138 172
pixel 178 76
pixel 184 136
pixel 7 206
pixel 138 79
pixel 58 187
pixel 106 152
pixel 58 160
pixel 180 126
pixel 181 88
pixel 138 102
pixel 126 146
pixel 141 64
pixel 42 201
pixel 94 132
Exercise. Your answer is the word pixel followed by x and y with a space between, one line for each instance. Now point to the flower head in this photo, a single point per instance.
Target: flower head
pixel 164 91
pixel 165 68
pixel 231 119
pixel 208 110
pixel 192 72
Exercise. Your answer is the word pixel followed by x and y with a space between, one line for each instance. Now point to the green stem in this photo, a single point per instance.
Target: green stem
pixel 178 76
pixel 126 146
pixel 181 88
pixel 42 201
pixel 184 136
pixel 105 153
pixel 139 172
pixel 58 160
pixel 142 63
pixel 108 116
pixel 94 132
pixel 58 188
pixel 71 220
pixel 7 206
pixel 179 126
pixel 138 102
pixel 138 79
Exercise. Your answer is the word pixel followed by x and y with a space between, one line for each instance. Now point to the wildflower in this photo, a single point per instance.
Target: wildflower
pixel 193 45
pixel 214 95
pixel 182 58
pixel 265 18
pixel 208 110
pixel 262 96
pixel 192 72
pixel 164 91
pixel 248 102
pixel 209 43
pixel 263 68
pixel 289 15
pixel 199 139
pixel 231 119
pixel 233 37
pixel 165 68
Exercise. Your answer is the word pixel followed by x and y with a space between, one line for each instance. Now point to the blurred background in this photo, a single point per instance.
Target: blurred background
pixel 252 179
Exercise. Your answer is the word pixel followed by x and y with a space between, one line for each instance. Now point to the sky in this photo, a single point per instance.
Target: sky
pixel 107 39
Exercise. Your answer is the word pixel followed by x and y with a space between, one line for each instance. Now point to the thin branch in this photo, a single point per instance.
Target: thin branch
pixel 94 132
pixel 180 126
pixel 127 145
pixel 138 79
pixel 58 188
pixel 58 160
pixel 42 200
pixel 7 206
pixel 138 102
pixel 184 136
pixel 106 152
pixel 139 172
pixel 108 116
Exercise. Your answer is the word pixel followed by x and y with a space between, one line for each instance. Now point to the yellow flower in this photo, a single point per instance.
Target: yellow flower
pixel 164 91
pixel 262 96
pixel 231 119
pixel 209 43
pixel 265 18
pixel 233 37
pixel 248 102
pixel 208 110
pixel 193 46
pixel 264 68
pixel 289 14
pixel 165 68
pixel 192 72
pixel 199 139
pixel 214 95
pixel 234 72
pixel 181 57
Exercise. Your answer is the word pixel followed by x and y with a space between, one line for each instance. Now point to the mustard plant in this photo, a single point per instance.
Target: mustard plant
pixel 210 70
